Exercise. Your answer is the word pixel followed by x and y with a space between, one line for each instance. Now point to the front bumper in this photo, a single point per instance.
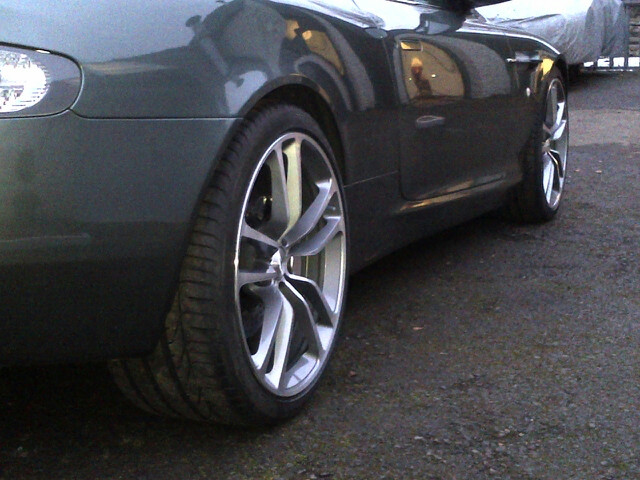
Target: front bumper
pixel 94 218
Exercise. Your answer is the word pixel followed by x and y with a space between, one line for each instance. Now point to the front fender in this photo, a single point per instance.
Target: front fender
pixel 193 58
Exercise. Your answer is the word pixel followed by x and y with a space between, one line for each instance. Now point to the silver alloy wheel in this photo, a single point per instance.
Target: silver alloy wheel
pixel 555 140
pixel 290 264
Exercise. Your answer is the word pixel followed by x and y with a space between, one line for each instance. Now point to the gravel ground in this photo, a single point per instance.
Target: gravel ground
pixel 489 351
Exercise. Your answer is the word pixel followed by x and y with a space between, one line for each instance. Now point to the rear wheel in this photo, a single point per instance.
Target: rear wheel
pixel 537 198
pixel 262 288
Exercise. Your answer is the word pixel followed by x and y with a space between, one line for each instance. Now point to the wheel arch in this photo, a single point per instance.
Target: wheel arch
pixel 304 94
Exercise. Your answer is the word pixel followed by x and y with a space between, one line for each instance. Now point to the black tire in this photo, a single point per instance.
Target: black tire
pixel 574 72
pixel 529 201
pixel 202 367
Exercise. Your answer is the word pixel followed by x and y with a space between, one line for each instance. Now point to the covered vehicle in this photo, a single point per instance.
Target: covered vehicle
pixel 186 185
pixel 583 30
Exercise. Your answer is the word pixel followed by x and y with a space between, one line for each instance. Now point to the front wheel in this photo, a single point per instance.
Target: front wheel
pixel 537 198
pixel 262 288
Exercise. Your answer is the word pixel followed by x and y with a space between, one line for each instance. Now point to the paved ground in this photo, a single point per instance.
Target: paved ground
pixel 491 351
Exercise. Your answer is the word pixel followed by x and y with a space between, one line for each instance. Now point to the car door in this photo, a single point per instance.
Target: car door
pixel 455 93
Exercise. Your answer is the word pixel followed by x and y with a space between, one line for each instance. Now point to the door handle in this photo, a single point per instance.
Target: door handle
pixel 429 121
pixel 522 57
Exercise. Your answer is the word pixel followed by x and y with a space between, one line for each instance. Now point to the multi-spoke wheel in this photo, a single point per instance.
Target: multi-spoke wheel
pixel 290 264
pixel 538 197
pixel 555 143
pixel 262 288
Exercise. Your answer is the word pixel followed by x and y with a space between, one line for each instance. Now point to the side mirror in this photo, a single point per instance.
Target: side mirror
pixel 482 3
pixel 466 5
pixel 440 21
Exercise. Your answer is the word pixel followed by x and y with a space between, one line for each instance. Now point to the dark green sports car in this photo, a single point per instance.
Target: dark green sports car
pixel 186 185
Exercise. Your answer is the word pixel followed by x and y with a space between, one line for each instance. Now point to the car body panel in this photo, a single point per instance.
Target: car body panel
pixel 456 90
pixel 93 219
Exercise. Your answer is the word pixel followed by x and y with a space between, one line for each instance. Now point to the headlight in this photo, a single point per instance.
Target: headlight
pixel 35 82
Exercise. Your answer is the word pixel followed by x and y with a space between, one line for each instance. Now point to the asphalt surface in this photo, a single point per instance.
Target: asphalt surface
pixel 489 351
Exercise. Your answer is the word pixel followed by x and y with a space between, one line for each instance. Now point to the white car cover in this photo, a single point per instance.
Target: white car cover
pixel 583 30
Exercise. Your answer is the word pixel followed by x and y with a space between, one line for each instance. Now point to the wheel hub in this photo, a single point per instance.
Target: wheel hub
pixel 280 263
